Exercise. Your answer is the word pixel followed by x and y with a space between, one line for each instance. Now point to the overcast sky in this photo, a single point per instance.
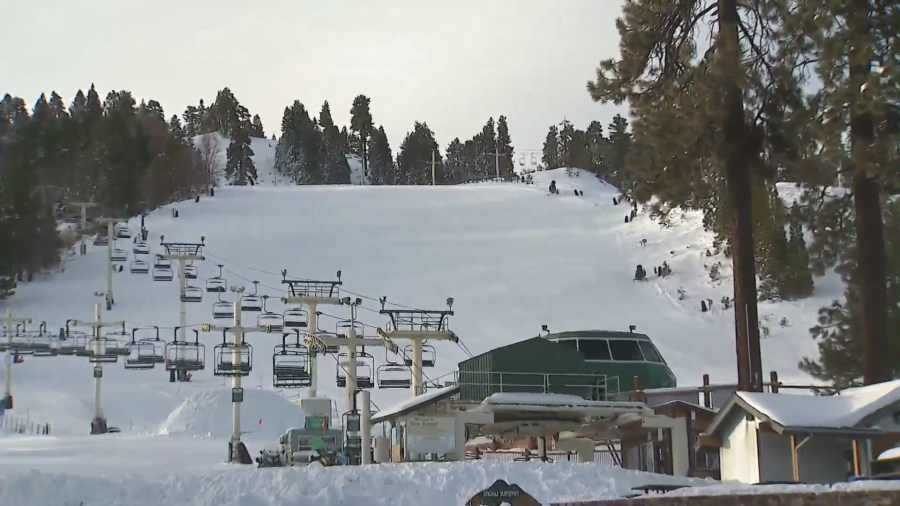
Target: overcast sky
pixel 451 63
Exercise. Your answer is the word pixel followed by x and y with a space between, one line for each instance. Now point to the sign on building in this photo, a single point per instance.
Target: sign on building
pixel 431 434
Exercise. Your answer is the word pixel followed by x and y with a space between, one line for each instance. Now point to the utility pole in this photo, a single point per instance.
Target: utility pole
pixel 98 423
pixel 182 252
pixel 497 154
pixel 312 293
pixel 110 240
pixel 236 372
pixel 11 323
pixel 418 326
pixel 433 163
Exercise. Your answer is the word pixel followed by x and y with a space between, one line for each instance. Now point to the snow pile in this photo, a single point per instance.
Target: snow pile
pixel 745 489
pixel 264 414
pixel 438 484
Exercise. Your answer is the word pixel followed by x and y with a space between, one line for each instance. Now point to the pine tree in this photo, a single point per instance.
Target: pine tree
pixel 550 157
pixel 239 167
pixel 361 124
pixel 176 128
pixel 454 165
pixel 504 144
pixel 331 152
pixel 57 107
pixel 381 168
pixel 93 105
pixel 297 153
pixel 79 105
pixel 257 129
pixel 414 158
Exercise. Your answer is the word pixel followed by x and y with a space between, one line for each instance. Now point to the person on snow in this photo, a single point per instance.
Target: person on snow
pixel 553 187
pixel 639 273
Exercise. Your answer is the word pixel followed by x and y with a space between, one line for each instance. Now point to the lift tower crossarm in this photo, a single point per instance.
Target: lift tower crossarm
pixel 418 326
pixel 10 322
pixel 312 293
pixel 182 252
pixel 98 423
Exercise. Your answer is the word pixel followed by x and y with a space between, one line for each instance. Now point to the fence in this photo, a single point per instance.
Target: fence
pixel 600 456
pixel 12 424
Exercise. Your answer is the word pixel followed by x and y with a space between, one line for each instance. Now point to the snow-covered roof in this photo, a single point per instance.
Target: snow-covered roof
pixel 412 403
pixel 851 409
pixel 893 453
pixel 535 399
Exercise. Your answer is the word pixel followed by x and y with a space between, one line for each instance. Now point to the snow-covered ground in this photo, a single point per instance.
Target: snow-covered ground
pixel 512 256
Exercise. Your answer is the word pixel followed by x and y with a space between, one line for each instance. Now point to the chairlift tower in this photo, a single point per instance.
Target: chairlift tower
pixel 312 294
pixel 98 423
pixel 237 330
pixel 418 326
pixel 84 207
pixel 110 239
pixel 11 323
pixel 182 252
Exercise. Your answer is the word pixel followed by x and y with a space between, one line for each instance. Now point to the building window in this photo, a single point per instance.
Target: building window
pixel 646 460
pixel 569 343
pixel 707 460
pixel 594 349
pixel 625 350
pixel 650 353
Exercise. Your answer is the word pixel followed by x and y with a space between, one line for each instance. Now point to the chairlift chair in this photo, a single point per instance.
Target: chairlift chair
pixel 225 358
pixel 363 366
pixel 222 309
pixel 393 375
pixel 72 342
pixel 118 341
pixel 106 353
pixel 20 342
pixel 139 267
pixel 217 284
pixel 140 248
pixel 192 294
pixel 185 355
pixel 342 328
pixel 160 262
pixel 119 255
pixel 101 240
pixel 163 274
pixel 296 318
pixel 274 321
pixel 43 343
pixel 291 364
pixel 428 355
pixel 146 352
pixel 123 232
pixel 190 272
pixel 252 302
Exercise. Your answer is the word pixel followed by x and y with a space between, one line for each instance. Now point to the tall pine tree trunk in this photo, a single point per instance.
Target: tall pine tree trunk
pixel 871 260
pixel 363 139
pixel 736 154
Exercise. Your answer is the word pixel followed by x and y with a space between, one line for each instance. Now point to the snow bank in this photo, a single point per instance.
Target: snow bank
pixel 264 414
pixel 444 484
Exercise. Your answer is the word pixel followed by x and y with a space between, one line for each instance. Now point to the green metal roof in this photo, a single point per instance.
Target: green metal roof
pixel 608 334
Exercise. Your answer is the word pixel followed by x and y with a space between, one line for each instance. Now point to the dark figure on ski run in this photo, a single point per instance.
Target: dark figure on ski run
pixel 198 198
pixel 553 187
pixel 639 273
pixel 212 192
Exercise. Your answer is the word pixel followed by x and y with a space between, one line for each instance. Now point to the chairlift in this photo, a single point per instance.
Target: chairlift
pixel 227 352
pixel 190 272
pixel 43 343
pixel 118 341
pixel 119 255
pixel 192 294
pixel 291 364
pixel 185 355
pixel 274 321
pixel 102 350
pixel 18 341
pixel 72 342
pixel 163 274
pixel 342 328
pixel 122 232
pixel 139 267
pixel 101 240
pixel 428 355
pixel 217 283
pixel 363 367
pixel 140 248
pixel 393 375
pixel 145 353
pixel 160 262
pixel 252 302
pixel 296 318
pixel 223 308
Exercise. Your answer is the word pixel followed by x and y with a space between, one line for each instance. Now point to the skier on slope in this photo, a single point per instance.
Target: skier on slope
pixel 553 187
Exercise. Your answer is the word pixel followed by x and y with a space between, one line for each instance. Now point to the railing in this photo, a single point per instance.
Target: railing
pixel 12 424
pixel 478 385
pixel 600 456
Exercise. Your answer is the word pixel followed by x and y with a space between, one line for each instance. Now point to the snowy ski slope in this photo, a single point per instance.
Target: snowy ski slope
pixel 512 256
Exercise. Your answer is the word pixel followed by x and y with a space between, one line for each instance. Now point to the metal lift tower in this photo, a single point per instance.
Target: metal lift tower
pixel 418 326
pixel 182 252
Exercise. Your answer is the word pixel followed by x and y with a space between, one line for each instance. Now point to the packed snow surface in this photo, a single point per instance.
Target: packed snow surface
pixel 512 256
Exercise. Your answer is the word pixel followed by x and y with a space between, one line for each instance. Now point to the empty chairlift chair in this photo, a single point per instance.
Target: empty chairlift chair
pixel 139 267
pixel 140 248
pixel 123 232
pixel 393 375
pixel 101 240
pixel 185 355
pixel 190 272
pixel 254 301
pixel 71 342
pixel 163 274
pixel 43 343
pixel 217 284
pixel 296 318
pixel 103 350
pixel 273 321
pixel 223 308
pixel 291 364
pixel 428 355
pixel 363 367
pixel 233 359
pixel 192 294
pixel 145 353
pixel 119 255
